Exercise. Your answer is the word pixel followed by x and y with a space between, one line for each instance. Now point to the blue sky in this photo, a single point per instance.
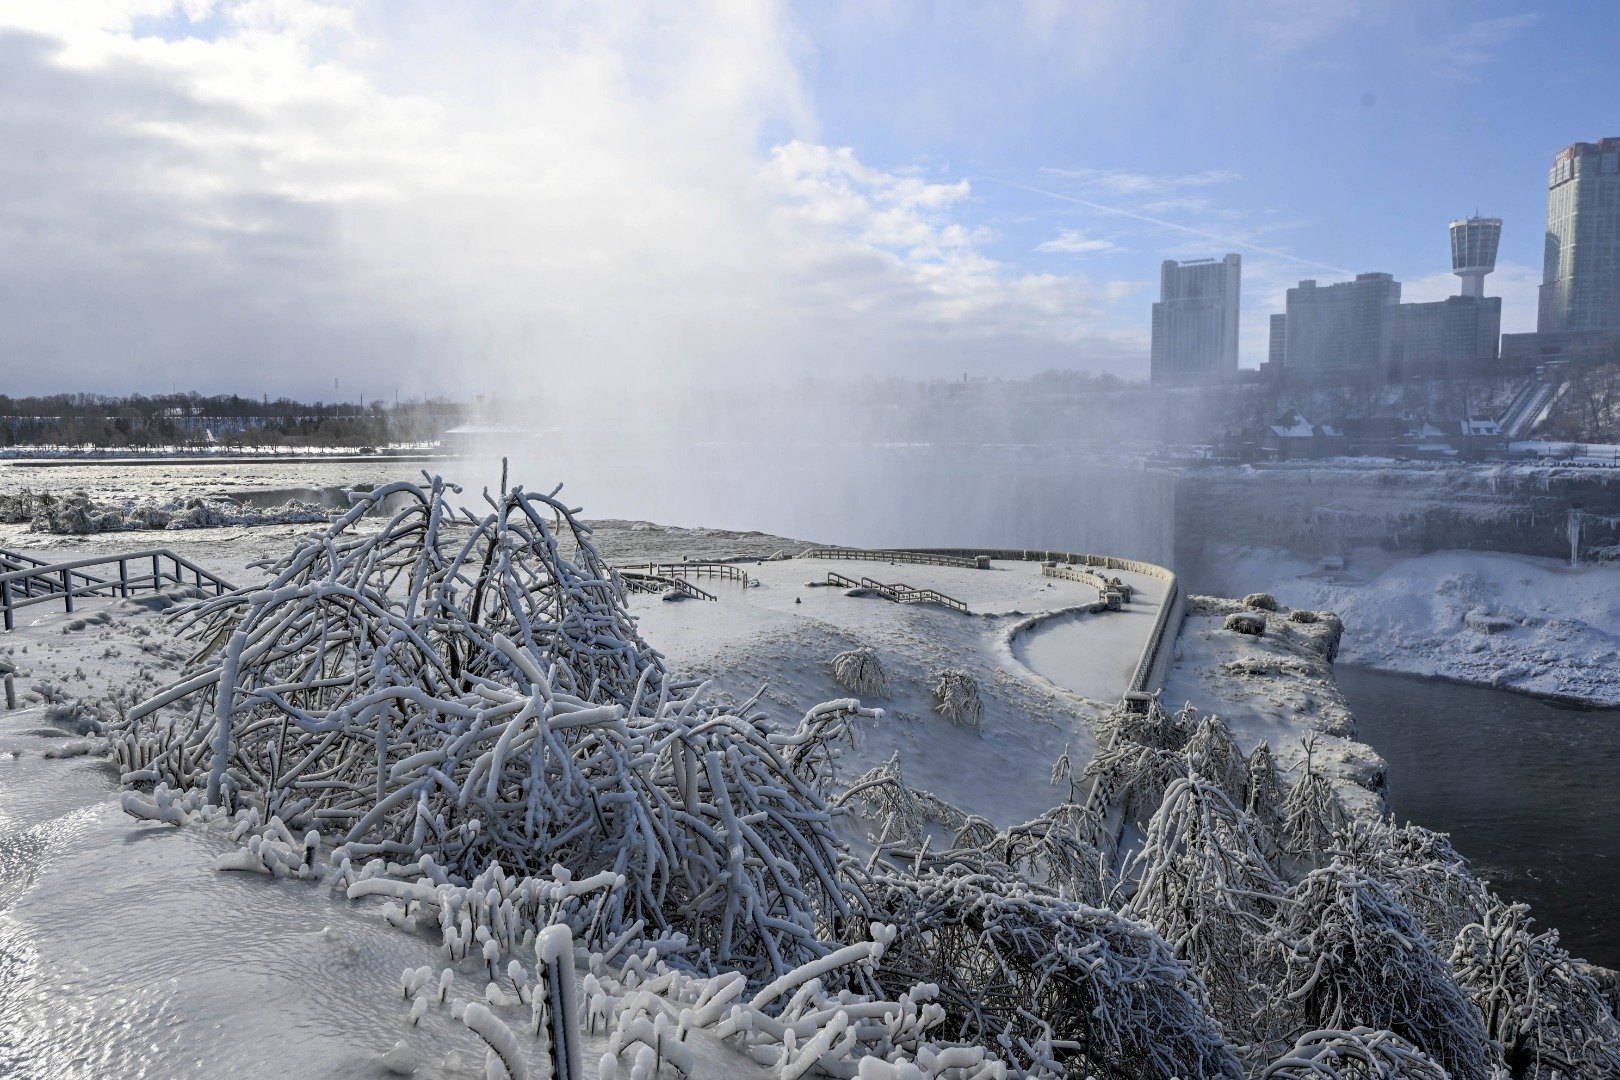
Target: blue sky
pixel 258 195
pixel 1342 135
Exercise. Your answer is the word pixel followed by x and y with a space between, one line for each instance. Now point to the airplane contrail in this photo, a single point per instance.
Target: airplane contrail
pixel 1226 240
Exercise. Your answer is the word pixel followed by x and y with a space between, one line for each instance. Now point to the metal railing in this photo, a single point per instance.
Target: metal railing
pixel 724 570
pixel 925 558
pixel 898 591
pixel 37 586
pixel 639 581
pixel 39 582
pixel 1151 665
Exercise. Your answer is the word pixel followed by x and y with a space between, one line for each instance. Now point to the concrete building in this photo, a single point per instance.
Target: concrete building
pixel 1195 322
pixel 1447 337
pixel 1361 328
pixel 1580 277
pixel 1345 328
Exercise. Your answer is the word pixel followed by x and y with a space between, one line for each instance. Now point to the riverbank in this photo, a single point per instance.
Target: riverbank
pixel 1513 622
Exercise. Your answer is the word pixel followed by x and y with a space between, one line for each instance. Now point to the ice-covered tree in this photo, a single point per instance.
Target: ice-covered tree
pixel 1067 849
pixel 1312 814
pixel 1213 753
pixel 477 692
pixel 861 672
pixel 1550 1017
pixel 900 813
pixel 1353 956
pixel 1202 881
pixel 1080 989
pixel 1131 777
pixel 1420 867
pixel 1358 1054
pixel 1263 801
pixel 956 697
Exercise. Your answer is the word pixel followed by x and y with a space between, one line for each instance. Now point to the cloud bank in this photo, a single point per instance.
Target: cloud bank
pixel 265 195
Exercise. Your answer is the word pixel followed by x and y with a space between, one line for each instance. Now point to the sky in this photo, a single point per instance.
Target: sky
pixel 361 199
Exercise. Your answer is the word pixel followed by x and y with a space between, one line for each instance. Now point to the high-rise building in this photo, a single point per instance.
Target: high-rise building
pixel 1580 277
pixel 1473 251
pixel 1361 327
pixel 1451 336
pixel 1342 328
pixel 1195 322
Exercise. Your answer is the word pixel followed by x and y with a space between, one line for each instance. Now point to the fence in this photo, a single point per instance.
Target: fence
pixel 925 558
pixel 636 580
pixel 898 591
pixel 37 582
pixel 724 570
pixel 1154 662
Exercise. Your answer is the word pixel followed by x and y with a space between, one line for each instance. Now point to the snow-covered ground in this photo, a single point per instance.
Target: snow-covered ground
pixel 1513 621
pixel 102 916
pixel 1276 688
pixel 124 951
pixel 783 635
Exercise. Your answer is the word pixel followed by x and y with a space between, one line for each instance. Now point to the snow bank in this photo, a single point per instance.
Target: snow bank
pixel 79 514
pixel 1513 621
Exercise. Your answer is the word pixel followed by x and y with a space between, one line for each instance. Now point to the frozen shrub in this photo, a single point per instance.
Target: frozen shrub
pixel 486 701
pixel 861 672
pixel 1357 1054
pixel 1253 625
pixel 1300 615
pixel 1260 601
pixel 1084 988
pixel 900 812
pixel 1353 955
pixel 1550 1016
pixel 956 698
pixel 1204 883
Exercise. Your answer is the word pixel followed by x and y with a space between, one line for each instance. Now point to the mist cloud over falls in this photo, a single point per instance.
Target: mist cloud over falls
pixel 261 196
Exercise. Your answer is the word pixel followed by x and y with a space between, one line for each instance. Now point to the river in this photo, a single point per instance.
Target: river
pixel 1528 788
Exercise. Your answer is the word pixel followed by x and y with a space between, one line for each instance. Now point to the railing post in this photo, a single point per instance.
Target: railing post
pixel 123 578
pixel 157 578
pixel 67 589
pixel 5 601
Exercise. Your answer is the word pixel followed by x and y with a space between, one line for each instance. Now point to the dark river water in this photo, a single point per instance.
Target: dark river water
pixel 1528 789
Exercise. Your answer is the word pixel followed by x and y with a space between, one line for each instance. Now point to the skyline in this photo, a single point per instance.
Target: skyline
pixel 244 196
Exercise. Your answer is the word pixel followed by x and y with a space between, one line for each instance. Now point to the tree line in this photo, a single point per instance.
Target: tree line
pixel 192 420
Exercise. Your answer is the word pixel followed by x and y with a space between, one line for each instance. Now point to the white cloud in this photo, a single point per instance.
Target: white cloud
pixel 1075 242
pixel 288 189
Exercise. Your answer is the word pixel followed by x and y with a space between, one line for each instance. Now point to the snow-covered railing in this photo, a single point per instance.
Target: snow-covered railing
pixel 638 580
pixel 34 586
pixel 898 591
pixel 724 570
pixel 64 582
pixel 1072 573
pixel 925 558
pixel 1155 659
